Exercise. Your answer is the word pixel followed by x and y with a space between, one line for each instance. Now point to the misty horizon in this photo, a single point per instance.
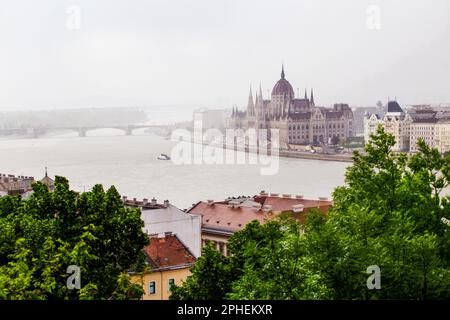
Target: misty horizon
pixel 208 54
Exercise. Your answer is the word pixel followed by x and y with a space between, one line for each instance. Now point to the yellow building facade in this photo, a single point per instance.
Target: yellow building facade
pixel 157 284
pixel 169 262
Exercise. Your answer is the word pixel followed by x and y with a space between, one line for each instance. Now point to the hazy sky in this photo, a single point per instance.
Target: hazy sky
pixel 206 53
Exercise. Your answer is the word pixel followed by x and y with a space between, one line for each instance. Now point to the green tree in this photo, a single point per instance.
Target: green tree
pixel 389 214
pixel 211 278
pixel 42 236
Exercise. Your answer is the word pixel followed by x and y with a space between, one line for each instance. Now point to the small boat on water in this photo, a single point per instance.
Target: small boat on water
pixel 163 156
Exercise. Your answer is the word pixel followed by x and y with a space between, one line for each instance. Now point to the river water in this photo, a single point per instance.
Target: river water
pixel 130 163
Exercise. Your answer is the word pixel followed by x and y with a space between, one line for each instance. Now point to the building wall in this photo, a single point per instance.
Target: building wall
pixel 396 124
pixel 161 280
pixel 407 129
pixel 359 116
pixel 442 140
pixel 370 127
pixel 299 131
pixel 186 226
pixel 219 241
pixel 425 131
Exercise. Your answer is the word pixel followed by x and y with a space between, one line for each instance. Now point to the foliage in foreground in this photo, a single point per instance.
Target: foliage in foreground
pixel 388 214
pixel 42 236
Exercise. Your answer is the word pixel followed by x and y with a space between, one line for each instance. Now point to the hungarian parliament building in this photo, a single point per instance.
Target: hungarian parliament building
pixel 299 120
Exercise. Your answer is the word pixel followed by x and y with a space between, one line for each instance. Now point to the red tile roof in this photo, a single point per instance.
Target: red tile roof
pixel 220 215
pixel 168 252
pixel 280 204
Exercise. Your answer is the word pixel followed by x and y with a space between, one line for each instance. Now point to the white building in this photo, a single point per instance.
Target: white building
pixel 371 122
pixel 165 218
pixel 395 121
pixel 421 122
pixel 442 132
pixel 423 127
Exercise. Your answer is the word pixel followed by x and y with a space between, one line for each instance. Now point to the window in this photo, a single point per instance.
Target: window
pixel 222 246
pixel 171 284
pixel 152 287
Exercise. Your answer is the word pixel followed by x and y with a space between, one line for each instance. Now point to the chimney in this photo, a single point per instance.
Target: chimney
pixel 298 208
pixel 234 203
pixel 299 196
pixel 166 203
pixel 256 206
pixel 210 202
pixel 124 198
pixel 153 202
pixel 134 200
pixel 286 195
pixel 144 201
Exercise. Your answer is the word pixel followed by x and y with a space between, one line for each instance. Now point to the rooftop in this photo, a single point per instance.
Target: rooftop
pixel 145 204
pixel 233 214
pixel 168 252
pixel 393 106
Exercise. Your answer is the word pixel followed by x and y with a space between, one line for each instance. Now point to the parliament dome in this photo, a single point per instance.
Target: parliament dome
pixel 283 87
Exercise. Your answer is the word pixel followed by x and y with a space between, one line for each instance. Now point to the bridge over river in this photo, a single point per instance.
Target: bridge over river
pixel 40 131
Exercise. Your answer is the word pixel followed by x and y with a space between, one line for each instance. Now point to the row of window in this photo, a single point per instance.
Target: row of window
pixel 298 137
pixel 152 286
pixel 220 246
pixel 298 127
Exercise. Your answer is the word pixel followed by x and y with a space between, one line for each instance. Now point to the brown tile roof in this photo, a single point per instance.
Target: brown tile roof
pixel 168 252
pixel 280 204
pixel 221 216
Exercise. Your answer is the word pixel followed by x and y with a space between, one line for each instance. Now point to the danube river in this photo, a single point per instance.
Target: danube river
pixel 130 163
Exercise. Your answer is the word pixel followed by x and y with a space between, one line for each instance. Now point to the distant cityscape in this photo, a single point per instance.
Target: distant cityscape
pixel 178 236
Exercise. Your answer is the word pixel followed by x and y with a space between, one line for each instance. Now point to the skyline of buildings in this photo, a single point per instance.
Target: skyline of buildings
pixel 408 126
pixel 299 120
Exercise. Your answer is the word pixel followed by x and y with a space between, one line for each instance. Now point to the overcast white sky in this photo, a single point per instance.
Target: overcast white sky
pixel 206 53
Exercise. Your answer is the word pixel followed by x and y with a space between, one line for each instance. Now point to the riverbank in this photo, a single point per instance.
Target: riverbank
pixel 317 156
pixel 130 164
pixel 282 153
